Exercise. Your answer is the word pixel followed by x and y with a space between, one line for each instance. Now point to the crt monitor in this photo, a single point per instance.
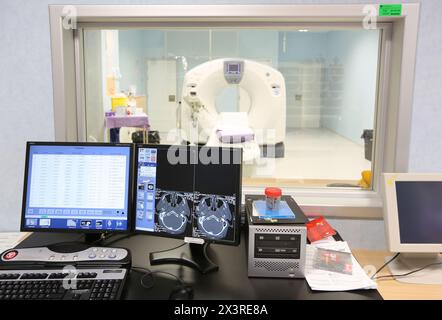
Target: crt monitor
pixel 190 193
pixel 77 187
pixel 413 219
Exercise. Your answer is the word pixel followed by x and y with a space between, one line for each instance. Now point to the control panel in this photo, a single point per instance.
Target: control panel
pixel 233 71
pixel 44 254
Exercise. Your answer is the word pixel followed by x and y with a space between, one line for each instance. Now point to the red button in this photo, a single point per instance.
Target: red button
pixel 10 255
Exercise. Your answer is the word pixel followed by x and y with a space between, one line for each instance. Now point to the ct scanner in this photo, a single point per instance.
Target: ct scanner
pixel 261 124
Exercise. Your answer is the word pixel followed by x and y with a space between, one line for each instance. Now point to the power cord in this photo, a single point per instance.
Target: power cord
pixel 179 246
pixel 385 264
pixel 408 273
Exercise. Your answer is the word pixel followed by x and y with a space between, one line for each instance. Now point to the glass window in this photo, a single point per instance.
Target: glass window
pixel 301 102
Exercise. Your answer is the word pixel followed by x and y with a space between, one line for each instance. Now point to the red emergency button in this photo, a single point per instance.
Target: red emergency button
pixel 10 255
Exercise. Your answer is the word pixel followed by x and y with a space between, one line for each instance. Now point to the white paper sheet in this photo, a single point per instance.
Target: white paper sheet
pixel 322 280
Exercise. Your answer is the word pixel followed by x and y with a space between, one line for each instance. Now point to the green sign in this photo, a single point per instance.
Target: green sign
pixel 388 10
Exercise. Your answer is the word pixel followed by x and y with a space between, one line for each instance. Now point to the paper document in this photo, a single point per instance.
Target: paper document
pixel 324 240
pixel 322 280
pixel 9 240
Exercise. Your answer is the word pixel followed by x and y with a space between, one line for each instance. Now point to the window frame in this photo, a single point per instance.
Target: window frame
pixel 398 42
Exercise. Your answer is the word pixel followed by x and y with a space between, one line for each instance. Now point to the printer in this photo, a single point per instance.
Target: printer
pixel 276 246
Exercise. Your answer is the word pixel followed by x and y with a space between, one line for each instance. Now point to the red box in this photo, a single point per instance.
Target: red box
pixel 318 229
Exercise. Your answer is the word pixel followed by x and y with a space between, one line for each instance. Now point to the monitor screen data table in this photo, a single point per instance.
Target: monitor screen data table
pixel 79 187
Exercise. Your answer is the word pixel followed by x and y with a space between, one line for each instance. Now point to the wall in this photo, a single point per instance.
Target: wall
pixel 333 74
pixel 299 54
pixel 349 106
pixel 25 61
pixel 301 57
pixel 132 60
pixel 196 46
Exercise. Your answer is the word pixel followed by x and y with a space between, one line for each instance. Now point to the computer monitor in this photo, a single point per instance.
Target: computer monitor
pixel 190 193
pixel 77 187
pixel 413 220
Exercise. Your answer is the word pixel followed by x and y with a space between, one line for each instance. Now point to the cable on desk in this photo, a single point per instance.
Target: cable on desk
pixel 385 264
pixel 103 237
pixel 150 273
pixel 119 239
pixel 179 246
pixel 408 273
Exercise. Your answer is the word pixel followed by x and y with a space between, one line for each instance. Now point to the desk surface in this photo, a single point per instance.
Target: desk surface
pixel 390 289
pixel 229 282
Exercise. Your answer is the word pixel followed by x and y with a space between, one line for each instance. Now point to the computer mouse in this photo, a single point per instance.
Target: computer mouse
pixel 181 293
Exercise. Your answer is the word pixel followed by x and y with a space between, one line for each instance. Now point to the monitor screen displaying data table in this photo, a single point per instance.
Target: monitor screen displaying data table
pixel 77 187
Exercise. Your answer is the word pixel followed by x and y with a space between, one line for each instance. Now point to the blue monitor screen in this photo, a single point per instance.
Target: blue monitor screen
pixel 78 187
pixel 419 211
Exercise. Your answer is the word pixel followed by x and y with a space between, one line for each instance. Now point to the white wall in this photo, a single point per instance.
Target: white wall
pixel 343 96
pixel 26 95
pixel 355 53
pixel 139 46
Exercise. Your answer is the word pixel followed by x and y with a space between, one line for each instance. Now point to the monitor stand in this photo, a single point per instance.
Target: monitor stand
pixel 410 262
pixel 189 254
pixel 90 239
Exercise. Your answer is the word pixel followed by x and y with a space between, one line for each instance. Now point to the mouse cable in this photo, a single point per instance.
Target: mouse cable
pixel 384 265
pixel 150 273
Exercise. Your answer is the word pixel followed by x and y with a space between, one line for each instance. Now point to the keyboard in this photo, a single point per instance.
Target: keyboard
pixel 56 284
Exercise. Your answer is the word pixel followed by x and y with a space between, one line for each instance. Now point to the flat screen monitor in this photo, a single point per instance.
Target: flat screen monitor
pixel 77 187
pixel 413 212
pixel 192 193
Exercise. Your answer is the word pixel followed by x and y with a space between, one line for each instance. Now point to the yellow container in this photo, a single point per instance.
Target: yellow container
pixel 118 102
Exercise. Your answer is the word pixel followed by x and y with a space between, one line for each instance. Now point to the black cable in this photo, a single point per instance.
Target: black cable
pixel 179 246
pixel 409 273
pixel 385 264
pixel 103 237
pixel 119 239
pixel 148 272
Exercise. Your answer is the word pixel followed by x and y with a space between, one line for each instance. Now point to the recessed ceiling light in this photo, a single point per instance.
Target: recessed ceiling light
pixel 303 30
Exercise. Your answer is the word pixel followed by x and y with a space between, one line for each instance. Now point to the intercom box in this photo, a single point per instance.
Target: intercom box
pixel 276 247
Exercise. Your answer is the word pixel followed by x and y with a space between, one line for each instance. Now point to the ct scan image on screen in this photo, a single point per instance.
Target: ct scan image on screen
pixel 173 212
pixel 164 202
pixel 215 195
pixel 214 217
pixel 185 199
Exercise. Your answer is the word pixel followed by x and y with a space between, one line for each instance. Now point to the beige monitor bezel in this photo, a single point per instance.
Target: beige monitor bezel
pixel 391 213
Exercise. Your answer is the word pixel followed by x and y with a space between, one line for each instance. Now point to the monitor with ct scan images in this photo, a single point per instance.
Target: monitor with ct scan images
pixel 189 193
